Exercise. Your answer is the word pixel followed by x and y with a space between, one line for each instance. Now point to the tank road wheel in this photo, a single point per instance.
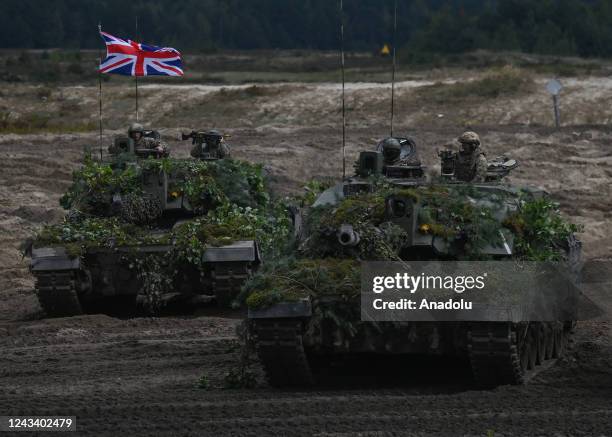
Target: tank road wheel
pixel 504 353
pixel 493 353
pixel 524 356
pixel 531 345
pixel 56 291
pixel 567 330
pixel 557 334
pixel 281 351
pixel 548 341
pixel 541 344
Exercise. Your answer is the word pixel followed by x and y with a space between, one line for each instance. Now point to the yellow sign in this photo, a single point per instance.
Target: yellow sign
pixel 386 50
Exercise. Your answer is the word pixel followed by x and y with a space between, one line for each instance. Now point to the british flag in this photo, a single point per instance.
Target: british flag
pixel 129 58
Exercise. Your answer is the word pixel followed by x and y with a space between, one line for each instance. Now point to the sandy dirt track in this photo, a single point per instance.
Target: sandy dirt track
pixel 138 376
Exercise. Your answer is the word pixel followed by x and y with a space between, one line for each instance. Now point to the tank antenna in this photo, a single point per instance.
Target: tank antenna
pixel 343 99
pixel 135 73
pixel 100 93
pixel 393 69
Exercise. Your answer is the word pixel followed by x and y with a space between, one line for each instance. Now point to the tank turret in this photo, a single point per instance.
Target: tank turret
pixel 309 306
pixel 145 147
pixel 154 232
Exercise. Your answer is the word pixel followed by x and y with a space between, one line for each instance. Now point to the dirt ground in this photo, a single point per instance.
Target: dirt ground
pixel 138 376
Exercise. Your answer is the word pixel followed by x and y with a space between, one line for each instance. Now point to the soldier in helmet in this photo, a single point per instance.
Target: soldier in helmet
pixel 136 133
pixel 470 163
pixel 142 143
pixel 391 149
pixel 212 146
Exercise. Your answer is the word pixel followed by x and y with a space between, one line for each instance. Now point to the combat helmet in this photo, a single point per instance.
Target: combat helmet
pixel 391 149
pixel 213 134
pixel 135 127
pixel 469 139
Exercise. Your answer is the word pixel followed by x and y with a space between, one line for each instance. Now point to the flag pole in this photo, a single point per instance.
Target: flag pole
pixel 135 72
pixel 393 70
pixel 100 94
pixel 343 97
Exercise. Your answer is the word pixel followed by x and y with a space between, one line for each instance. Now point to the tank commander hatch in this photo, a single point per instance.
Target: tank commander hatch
pixel 143 143
pixel 467 165
pixel 208 145
pixel 398 151
pixel 392 150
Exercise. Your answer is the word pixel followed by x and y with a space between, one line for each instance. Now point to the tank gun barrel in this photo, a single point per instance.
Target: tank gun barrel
pixel 347 236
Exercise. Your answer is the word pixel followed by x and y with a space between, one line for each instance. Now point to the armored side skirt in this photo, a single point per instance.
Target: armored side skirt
pixel 70 285
pixel 287 337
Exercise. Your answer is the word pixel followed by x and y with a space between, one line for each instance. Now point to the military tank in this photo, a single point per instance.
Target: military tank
pixel 146 232
pixel 306 310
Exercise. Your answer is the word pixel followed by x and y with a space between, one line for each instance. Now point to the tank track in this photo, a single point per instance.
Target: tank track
pixel 227 280
pixel 57 293
pixel 506 353
pixel 281 351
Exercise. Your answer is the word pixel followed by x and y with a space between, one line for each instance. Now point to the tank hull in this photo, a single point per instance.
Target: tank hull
pixel 498 352
pixel 68 286
pixel 501 352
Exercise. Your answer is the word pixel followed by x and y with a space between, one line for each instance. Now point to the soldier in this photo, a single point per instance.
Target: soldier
pixel 392 150
pixel 136 133
pixel 213 146
pixel 470 161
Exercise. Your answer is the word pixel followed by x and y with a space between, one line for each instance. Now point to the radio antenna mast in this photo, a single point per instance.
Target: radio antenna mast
pixel 135 72
pixel 100 93
pixel 343 99
pixel 393 69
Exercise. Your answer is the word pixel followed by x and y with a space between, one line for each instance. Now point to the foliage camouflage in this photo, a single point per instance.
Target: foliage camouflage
pixel 312 189
pixel 229 200
pixel 322 267
pixel 205 183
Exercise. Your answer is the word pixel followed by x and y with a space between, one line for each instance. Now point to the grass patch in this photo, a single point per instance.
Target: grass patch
pixel 38 122
pixel 253 91
pixel 203 383
pixel 507 81
pixel 565 69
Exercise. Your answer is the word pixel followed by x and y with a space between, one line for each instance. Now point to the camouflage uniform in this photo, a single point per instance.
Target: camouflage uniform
pixel 470 162
pixel 213 147
pixel 142 142
pixel 151 144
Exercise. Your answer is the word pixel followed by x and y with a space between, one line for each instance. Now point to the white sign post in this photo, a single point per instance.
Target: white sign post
pixel 554 87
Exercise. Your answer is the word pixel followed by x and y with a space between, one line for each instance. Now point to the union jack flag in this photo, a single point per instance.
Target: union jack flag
pixel 129 58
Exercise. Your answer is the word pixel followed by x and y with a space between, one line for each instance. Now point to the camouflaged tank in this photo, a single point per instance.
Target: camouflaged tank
pixel 152 231
pixel 306 307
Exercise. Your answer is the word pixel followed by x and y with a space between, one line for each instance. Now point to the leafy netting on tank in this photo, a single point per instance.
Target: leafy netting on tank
pixel 139 209
pixel 228 198
pixel 541 231
pixel 206 184
pixel 94 184
pixel 152 273
pixel 109 208
pixel 322 266
pixel 444 212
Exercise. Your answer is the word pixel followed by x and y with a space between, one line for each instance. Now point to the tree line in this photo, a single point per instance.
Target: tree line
pixel 560 27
